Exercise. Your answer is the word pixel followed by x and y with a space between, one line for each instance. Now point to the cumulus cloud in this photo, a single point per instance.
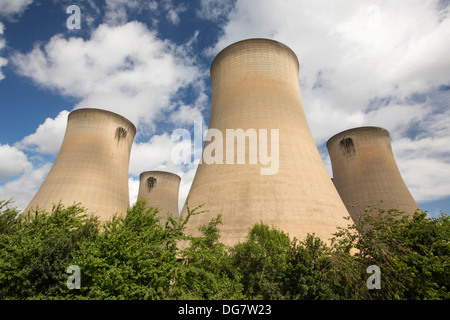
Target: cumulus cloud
pixel 155 154
pixel 158 154
pixel 125 69
pixel 22 189
pixel 426 181
pixel 186 115
pixel 12 162
pixel 396 118
pixel 163 152
pixel 117 11
pixel 48 137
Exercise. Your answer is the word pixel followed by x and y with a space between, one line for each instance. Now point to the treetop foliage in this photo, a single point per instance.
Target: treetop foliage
pixel 137 255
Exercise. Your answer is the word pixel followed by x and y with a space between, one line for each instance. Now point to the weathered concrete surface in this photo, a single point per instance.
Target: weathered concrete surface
pixel 91 166
pixel 160 189
pixel 255 85
pixel 365 171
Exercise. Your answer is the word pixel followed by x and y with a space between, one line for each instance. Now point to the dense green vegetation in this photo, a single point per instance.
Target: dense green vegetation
pixel 134 256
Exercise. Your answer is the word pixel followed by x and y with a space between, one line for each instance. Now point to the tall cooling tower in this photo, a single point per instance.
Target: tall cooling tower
pixel 92 164
pixel 255 85
pixel 365 172
pixel 160 189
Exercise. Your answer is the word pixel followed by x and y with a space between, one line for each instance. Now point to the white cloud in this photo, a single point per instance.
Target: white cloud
pixel 133 187
pixel 117 11
pixel 11 8
pixel 351 54
pixel 423 160
pixel 337 42
pixel 12 162
pixel 48 136
pixel 173 15
pixel 397 117
pixel 125 69
pixel 22 189
pixel 183 115
pixel 186 115
pixel 3 61
pixel 215 9
pixel 155 154
pixel 426 177
pixel 337 120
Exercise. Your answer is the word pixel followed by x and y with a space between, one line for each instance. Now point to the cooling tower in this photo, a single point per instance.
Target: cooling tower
pixel 92 164
pixel 365 172
pixel 160 189
pixel 255 87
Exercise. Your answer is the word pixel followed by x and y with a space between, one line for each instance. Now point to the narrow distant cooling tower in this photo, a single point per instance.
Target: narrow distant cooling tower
pixel 255 85
pixel 92 164
pixel 160 189
pixel 365 172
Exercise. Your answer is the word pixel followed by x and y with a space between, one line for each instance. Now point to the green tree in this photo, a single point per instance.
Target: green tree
pixel 412 254
pixel 308 276
pixel 134 257
pixel 207 271
pixel 8 217
pixel 37 247
pixel 262 260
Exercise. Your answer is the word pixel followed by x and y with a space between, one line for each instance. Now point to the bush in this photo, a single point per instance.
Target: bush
pixel 37 247
pixel 135 256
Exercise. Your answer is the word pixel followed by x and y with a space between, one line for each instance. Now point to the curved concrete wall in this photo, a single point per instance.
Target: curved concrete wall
pixel 255 85
pixel 160 189
pixel 92 164
pixel 365 171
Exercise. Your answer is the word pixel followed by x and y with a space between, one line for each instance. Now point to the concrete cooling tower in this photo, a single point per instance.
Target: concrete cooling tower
pixel 92 164
pixel 365 172
pixel 160 189
pixel 255 87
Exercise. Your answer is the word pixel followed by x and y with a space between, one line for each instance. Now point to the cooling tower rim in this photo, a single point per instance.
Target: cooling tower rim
pixel 354 131
pixel 96 110
pixel 159 172
pixel 229 47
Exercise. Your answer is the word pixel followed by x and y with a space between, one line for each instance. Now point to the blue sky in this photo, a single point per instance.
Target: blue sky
pixel 362 62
